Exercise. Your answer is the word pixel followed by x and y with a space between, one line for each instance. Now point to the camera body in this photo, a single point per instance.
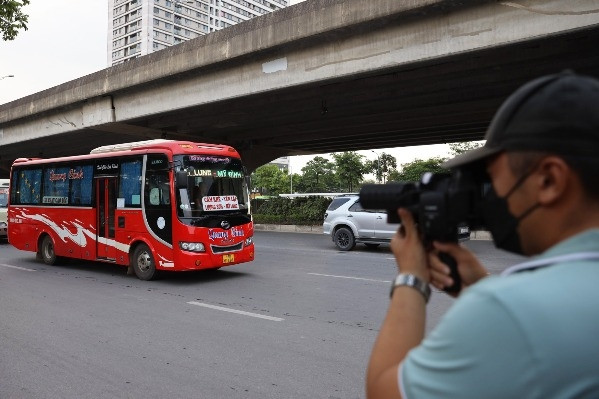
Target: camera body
pixel 440 203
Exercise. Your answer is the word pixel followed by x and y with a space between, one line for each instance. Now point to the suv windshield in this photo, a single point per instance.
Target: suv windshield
pixel 216 185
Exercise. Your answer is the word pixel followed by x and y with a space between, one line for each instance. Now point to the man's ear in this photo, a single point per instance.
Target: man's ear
pixel 554 180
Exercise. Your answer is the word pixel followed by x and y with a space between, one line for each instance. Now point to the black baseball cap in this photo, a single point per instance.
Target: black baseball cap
pixel 557 113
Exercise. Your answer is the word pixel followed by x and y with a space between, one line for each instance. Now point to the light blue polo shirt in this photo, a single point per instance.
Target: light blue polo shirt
pixel 530 334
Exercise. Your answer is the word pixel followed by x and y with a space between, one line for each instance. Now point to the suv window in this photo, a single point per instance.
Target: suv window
pixel 357 207
pixel 337 202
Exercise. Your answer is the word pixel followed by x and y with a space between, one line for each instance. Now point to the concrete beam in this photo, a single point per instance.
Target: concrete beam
pixel 318 40
pixel 318 51
pixel 93 112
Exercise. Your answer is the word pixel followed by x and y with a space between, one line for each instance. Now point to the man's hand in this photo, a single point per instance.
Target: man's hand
pixel 469 268
pixel 408 249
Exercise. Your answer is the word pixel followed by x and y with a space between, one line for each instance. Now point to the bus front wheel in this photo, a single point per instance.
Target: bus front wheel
pixel 46 251
pixel 143 263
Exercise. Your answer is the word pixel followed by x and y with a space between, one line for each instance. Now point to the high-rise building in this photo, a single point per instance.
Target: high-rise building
pixel 282 163
pixel 139 27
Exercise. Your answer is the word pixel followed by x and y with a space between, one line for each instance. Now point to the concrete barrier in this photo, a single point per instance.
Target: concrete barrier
pixel 480 235
pixel 289 228
pixel 317 229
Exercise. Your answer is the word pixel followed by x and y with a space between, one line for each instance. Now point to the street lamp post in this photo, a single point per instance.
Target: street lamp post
pixel 378 165
pixel 290 179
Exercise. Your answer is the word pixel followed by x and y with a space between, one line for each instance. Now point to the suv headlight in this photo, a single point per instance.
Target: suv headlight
pixel 192 246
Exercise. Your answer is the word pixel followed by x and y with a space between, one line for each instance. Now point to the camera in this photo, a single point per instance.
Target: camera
pixel 442 206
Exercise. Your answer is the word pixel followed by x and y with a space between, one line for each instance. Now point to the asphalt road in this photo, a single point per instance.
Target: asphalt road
pixel 298 322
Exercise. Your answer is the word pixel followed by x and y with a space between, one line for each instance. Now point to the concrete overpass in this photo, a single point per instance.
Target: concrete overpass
pixel 321 76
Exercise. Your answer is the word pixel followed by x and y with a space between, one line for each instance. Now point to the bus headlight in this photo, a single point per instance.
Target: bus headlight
pixel 192 246
pixel 249 241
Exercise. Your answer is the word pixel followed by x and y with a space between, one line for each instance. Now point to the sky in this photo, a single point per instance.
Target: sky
pixel 67 39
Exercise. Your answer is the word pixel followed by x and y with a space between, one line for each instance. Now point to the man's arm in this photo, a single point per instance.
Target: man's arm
pixel 403 327
pixel 402 330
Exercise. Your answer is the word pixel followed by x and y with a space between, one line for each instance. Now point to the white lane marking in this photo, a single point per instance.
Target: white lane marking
pixel 260 316
pixel 17 267
pixel 351 278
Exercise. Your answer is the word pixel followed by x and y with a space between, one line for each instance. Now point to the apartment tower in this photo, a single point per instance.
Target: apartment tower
pixel 139 27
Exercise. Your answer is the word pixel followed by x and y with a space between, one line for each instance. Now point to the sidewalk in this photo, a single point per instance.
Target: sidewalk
pixel 317 229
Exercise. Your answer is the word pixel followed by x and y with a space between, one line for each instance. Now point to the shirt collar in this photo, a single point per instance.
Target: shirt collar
pixel 582 246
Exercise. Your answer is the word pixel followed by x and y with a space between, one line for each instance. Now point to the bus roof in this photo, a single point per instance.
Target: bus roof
pixel 173 146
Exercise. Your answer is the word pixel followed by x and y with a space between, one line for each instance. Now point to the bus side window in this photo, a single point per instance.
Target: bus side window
pixel 130 182
pixel 165 192
pixel 29 187
pixel 155 196
pixel 158 189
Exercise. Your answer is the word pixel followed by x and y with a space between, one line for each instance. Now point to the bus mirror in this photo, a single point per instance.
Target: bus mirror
pixel 181 179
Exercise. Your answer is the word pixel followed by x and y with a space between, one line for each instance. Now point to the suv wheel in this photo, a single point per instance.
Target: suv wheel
pixel 344 239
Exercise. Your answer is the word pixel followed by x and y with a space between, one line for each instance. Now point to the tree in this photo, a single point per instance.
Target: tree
pixel 319 175
pixel 460 148
pixel 296 183
pixel 269 179
pixel 414 170
pixel 12 18
pixel 350 169
pixel 387 162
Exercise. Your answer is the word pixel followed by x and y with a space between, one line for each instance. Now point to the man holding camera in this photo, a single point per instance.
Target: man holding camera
pixel 531 332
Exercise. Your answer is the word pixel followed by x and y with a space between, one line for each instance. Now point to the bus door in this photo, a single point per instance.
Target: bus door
pixel 106 206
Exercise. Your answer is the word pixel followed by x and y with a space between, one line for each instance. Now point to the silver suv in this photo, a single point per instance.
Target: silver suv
pixel 348 223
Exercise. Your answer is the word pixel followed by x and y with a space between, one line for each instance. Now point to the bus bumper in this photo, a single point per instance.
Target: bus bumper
pixel 202 261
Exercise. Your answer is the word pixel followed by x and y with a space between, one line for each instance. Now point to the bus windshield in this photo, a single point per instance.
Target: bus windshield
pixel 216 185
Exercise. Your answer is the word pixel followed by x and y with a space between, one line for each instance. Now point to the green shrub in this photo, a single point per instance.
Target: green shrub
pixel 280 210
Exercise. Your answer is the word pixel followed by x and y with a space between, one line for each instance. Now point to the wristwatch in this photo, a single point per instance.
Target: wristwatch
pixel 411 281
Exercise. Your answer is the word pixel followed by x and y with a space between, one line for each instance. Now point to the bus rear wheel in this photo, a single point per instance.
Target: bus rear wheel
pixel 46 251
pixel 143 263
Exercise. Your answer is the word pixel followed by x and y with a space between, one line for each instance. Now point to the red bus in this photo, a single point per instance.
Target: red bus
pixel 150 205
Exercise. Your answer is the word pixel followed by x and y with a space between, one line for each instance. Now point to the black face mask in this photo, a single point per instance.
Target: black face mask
pixel 500 222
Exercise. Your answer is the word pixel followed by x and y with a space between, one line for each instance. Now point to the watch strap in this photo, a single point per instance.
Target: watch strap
pixel 411 281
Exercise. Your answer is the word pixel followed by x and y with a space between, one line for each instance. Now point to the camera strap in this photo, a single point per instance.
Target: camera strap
pixel 538 263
